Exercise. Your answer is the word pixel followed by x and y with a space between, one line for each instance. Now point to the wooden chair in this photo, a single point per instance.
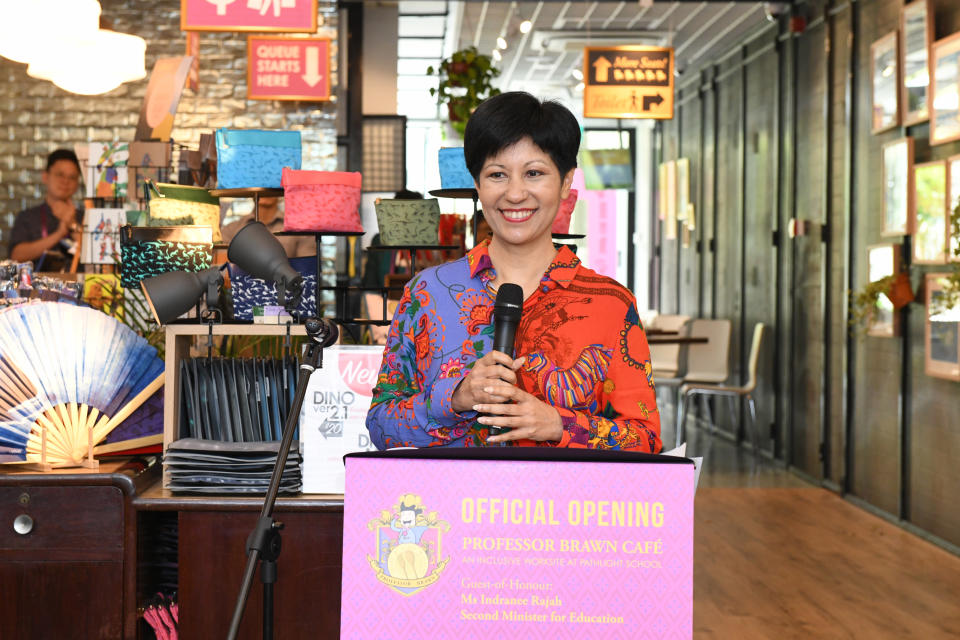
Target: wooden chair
pixel 705 388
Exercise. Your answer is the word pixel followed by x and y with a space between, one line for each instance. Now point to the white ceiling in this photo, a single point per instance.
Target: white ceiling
pixel 543 61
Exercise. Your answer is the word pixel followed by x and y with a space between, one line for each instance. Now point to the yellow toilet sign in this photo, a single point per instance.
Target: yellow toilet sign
pixel 629 81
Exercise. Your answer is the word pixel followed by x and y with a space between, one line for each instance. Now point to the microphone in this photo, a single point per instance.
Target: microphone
pixel 506 316
pixel 321 331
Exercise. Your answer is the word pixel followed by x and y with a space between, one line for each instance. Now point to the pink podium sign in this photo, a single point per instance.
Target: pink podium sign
pixel 288 68
pixel 249 15
pixel 517 549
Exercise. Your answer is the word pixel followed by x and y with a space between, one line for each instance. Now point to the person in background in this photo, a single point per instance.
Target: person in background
pixel 481 228
pixel 295 246
pixel 582 376
pixel 46 233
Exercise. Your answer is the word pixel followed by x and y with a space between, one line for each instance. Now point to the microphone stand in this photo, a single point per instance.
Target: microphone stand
pixel 263 545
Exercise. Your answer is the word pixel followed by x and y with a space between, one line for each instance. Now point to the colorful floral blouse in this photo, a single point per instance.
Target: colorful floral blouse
pixel 586 354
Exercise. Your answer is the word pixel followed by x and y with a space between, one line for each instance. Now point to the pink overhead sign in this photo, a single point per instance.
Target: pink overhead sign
pixel 248 15
pixel 288 68
pixel 510 549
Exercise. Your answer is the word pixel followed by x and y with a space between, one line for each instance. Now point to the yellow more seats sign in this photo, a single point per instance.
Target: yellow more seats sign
pixel 629 81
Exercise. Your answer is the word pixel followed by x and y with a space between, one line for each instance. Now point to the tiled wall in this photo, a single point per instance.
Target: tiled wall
pixel 37 117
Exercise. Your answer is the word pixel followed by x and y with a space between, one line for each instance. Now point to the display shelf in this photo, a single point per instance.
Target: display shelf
pixel 320 234
pixel 413 248
pixel 568 236
pixel 178 340
pixel 250 192
pixel 462 194
pixel 465 194
pixel 318 239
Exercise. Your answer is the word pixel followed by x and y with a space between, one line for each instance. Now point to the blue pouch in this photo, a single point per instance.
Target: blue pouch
pixel 254 157
pixel 453 169
pixel 249 292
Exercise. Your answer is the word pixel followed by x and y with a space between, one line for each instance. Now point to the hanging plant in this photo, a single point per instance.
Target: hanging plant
pixel 863 303
pixel 465 81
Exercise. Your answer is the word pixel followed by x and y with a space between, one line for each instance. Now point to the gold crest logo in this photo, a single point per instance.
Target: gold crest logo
pixel 408 545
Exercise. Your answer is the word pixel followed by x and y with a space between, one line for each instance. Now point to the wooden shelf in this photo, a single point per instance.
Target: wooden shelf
pixel 233 330
pixel 156 498
pixel 178 338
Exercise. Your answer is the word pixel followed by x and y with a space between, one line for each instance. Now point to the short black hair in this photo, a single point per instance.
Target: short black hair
pixel 63 154
pixel 507 118
pixel 407 194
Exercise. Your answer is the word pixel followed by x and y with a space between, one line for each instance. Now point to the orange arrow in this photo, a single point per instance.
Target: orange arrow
pixel 602 65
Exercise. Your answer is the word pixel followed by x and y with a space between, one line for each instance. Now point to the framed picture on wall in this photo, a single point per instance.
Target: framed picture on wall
pixel 897 194
pixel 884 65
pixel 691 219
pixel 953 208
pixel 883 260
pixel 942 357
pixel 916 28
pixel 670 222
pixel 683 187
pixel 945 90
pixel 662 191
pixel 930 213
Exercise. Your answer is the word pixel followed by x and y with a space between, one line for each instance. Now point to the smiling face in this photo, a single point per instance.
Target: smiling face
pixel 521 189
pixel 408 518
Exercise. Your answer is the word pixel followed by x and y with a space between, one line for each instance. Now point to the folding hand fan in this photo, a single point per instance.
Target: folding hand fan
pixel 67 370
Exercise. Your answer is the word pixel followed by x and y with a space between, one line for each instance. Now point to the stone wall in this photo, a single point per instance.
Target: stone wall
pixel 37 117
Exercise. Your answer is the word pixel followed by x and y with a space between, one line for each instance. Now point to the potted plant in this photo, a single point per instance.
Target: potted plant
pixel 863 303
pixel 465 81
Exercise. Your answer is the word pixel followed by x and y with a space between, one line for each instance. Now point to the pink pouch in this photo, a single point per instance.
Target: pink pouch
pixel 321 200
pixel 561 224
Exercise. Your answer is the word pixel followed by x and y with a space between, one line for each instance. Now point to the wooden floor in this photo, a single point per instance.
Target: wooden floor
pixel 779 558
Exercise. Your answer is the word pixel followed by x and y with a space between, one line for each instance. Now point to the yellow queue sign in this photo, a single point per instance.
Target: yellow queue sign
pixel 630 81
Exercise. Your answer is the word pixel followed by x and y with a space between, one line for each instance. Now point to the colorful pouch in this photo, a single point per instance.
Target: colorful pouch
pixel 408 222
pixel 254 157
pixel 173 205
pixel 453 169
pixel 249 292
pixel 561 224
pixel 321 201
pixel 149 251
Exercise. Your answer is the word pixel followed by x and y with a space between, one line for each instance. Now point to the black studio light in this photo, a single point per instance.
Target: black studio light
pixel 255 250
pixel 172 294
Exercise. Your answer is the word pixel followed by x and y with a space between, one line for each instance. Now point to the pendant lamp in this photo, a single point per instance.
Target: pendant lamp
pixel 29 27
pixel 91 63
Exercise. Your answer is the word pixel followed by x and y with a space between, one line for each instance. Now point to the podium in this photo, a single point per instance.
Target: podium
pixel 509 542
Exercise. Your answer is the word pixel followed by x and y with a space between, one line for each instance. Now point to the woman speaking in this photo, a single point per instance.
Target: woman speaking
pixel 582 375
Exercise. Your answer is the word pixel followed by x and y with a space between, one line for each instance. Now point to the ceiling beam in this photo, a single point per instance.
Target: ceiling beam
pixel 515 60
pixel 480 21
pixel 723 34
pixel 688 40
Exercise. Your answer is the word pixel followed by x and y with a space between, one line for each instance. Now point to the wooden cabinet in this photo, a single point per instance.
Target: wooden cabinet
pixel 68 554
pixel 212 556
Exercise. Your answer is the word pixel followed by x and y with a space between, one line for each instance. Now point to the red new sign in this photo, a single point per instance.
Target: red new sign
pixel 288 68
pixel 248 15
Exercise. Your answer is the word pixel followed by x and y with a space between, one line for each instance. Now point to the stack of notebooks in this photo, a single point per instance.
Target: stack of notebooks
pixel 206 466
pixel 230 419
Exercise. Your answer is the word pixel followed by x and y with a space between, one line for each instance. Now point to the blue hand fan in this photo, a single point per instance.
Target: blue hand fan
pixel 64 371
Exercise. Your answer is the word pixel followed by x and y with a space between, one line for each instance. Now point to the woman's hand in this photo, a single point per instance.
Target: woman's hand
pixel 525 416
pixel 493 367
